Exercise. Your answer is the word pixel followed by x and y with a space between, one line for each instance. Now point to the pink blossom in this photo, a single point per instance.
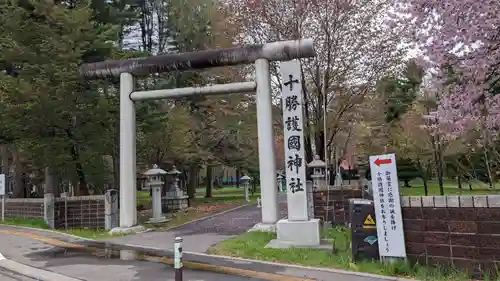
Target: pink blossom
pixel 465 34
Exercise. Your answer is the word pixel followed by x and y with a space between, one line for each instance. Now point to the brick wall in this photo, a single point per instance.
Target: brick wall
pixel 338 203
pixel 463 231
pixel 80 212
pixel 27 208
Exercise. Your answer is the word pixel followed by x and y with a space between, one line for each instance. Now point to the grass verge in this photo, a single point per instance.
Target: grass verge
pixel 251 245
pixel 450 188
pixel 95 234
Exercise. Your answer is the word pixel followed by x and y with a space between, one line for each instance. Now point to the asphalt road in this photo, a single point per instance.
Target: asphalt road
pixel 6 275
pixel 92 267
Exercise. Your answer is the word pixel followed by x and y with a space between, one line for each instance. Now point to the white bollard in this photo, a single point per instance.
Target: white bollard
pixel 178 258
pixel 258 202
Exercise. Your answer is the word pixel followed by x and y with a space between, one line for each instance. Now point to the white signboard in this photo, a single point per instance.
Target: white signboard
pixel 294 140
pixel 2 184
pixel 385 184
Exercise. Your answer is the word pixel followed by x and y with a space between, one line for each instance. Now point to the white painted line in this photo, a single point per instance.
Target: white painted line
pixel 2 257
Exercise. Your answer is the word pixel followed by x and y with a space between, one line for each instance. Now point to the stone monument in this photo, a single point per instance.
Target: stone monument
pixel 298 230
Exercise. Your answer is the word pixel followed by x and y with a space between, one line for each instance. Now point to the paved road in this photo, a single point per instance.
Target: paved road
pixel 84 266
pixel 6 275
pixel 199 236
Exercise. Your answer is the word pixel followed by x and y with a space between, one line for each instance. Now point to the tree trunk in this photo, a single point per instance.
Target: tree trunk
pixel 209 182
pixel 319 141
pixel 4 155
pixel 238 175
pixel 407 183
pixel 116 172
pixel 81 187
pixel 488 168
pixel 193 181
pixel 19 175
pixel 438 156
pixel 459 181
pixel 426 186
pixel 51 182
pixel 423 172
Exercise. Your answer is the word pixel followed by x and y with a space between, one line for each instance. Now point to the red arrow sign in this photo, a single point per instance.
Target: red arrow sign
pixel 379 161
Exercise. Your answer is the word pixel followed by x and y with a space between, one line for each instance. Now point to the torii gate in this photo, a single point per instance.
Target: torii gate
pixel 261 55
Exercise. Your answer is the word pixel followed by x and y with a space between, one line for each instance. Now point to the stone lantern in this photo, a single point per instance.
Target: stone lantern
pixel 174 190
pixel 245 180
pixel 319 173
pixel 155 183
pixel 175 200
pixel 281 183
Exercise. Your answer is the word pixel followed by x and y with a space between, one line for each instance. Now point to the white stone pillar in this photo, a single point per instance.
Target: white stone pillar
pixel 267 161
pixel 299 229
pixel 128 203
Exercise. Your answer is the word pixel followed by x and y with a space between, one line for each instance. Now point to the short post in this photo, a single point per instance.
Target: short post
pixel 246 184
pixel 2 193
pixel 178 258
pixel 111 209
pixel 258 203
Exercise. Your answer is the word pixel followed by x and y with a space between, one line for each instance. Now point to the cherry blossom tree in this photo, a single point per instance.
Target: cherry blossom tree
pixel 461 42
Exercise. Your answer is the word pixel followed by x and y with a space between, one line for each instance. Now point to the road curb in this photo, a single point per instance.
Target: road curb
pixel 33 272
pixel 152 251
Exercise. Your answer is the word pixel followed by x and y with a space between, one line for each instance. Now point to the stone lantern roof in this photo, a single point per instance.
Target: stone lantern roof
pixel 316 163
pixel 155 171
pixel 174 171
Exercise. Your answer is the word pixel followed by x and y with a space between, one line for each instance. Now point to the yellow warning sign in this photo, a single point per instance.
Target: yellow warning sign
pixel 369 222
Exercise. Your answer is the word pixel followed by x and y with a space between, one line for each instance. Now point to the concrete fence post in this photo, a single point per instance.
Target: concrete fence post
pixel 48 209
pixel 111 209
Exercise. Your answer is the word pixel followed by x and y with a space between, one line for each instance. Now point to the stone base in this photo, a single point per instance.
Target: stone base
pixel 161 219
pixel 127 230
pixel 299 233
pixel 263 227
pixel 277 244
pixel 174 204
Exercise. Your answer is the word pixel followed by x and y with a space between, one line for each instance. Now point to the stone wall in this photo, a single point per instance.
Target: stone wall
pixel 338 203
pixel 463 231
pixel 26 208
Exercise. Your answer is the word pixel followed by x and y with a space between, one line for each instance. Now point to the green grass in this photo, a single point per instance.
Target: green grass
pixel 252 245
pixel 450 188
pixel 35 223
pixel 40 223
pixel 94 234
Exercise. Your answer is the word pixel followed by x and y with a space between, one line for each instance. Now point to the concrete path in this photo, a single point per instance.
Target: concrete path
pixel 31 257
pixel 200 235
